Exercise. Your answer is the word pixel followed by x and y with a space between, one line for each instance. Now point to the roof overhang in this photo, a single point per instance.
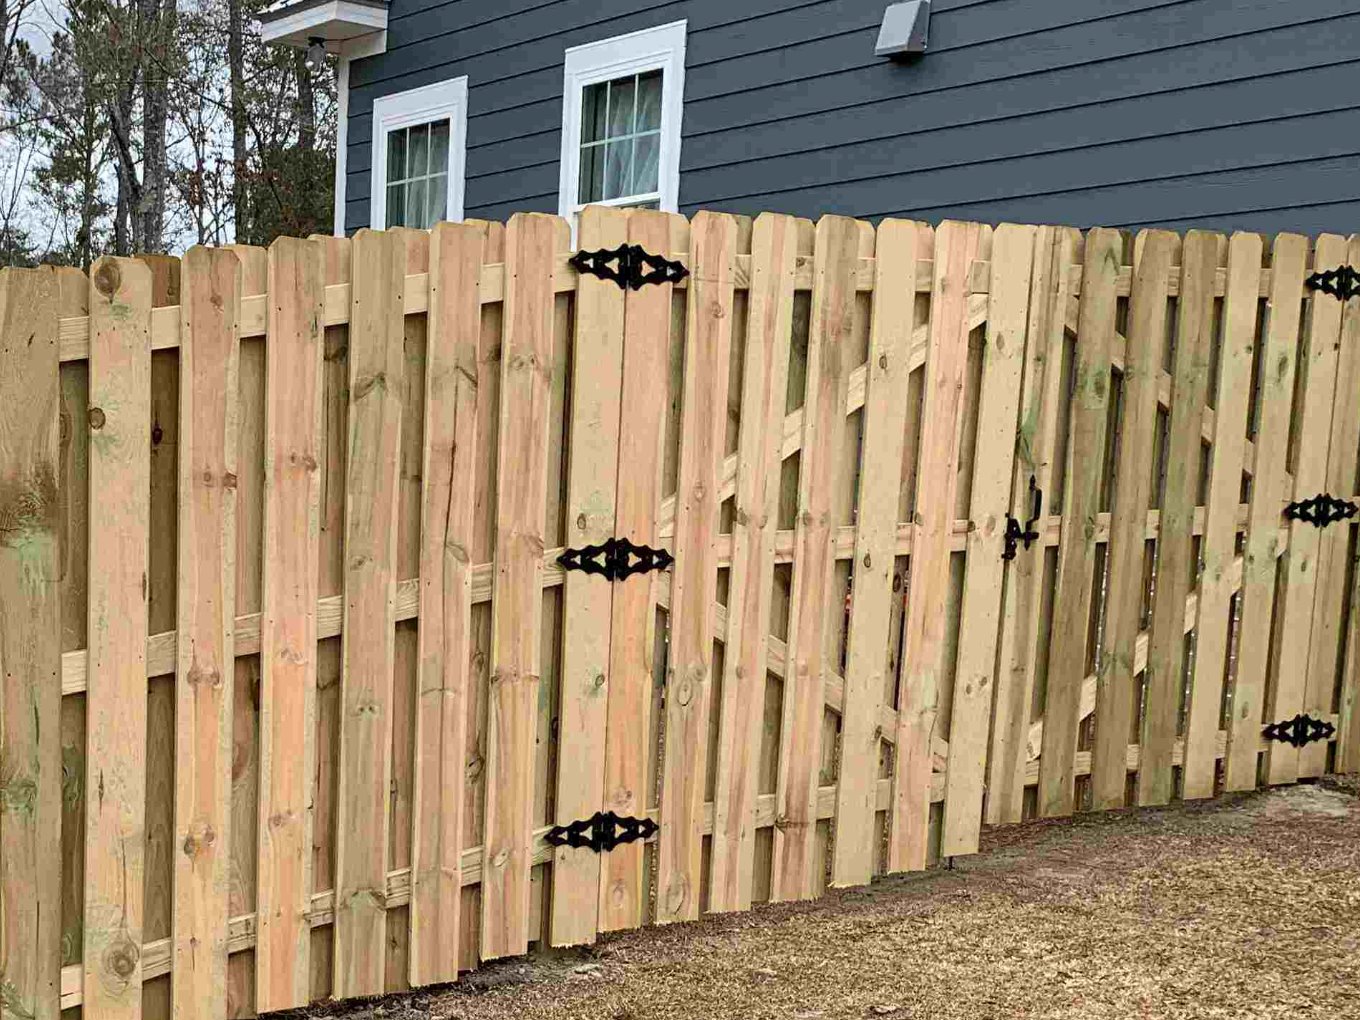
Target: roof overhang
pixel 298 22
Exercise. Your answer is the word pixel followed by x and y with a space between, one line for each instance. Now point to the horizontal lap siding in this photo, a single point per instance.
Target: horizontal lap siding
pixel 1230 114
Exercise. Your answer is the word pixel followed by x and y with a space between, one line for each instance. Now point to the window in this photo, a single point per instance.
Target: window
pixel 621 121
pixel 418 155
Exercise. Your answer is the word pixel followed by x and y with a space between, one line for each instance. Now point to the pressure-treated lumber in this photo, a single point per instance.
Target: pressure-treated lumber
pixel 1155 251
pixel 1294 615
pixel 1232 397
pixel 1020 639
pixel 366 696
pixel 880 480
pixel 30 646
pixel 637 513
pixel 1076 555
pixel 517 601
pixel 288 632
pixel 592 479
pixel 206 659
pixel 1165 674
pixel 1279 342
pixel 120 481
pixel 1012 250
pixel 694 576
pixel 956 244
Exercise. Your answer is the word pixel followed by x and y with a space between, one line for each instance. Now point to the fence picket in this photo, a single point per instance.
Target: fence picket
pixel 1055 249
pixel 1011 253
pixel 1154 254
pixel 1077 552
pixel 1312 425
pixel 1328 611
pixel 1279 343
pixel 1164 677
pixel 210 312
pixel 592 479
pixel 517 600
pixel 880 478
pixel 120 483
pixel 1218 546
pixel 956 246
pixel 694 576
pixel 632 650
pixel 449 446
pixel 376 371
pixel 30 645
pixel 288 629
pixel 810 612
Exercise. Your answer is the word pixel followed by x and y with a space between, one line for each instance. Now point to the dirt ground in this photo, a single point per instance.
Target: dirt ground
pixel 1244 907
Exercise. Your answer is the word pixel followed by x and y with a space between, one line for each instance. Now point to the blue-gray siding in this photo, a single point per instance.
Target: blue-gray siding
pixel 1230 114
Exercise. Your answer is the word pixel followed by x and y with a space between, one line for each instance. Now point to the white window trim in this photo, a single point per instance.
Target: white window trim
pixel 652 49
pixel 445 99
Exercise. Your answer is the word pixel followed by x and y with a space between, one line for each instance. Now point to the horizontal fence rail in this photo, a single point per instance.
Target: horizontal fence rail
pixel 942 527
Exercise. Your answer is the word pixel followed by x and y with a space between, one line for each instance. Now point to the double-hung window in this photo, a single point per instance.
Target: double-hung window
pixel 418 156
pixel 621 121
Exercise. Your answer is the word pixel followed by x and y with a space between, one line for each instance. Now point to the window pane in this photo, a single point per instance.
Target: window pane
pixel 396 207
pixel 591 187
pixel 617 168
pixel 415 204
pixel 435 200
pixel 646 163
pixel 439 147
pixel 649 101
pixel 419 154
pixel 621 94
pixel 396 154
pixel 594 109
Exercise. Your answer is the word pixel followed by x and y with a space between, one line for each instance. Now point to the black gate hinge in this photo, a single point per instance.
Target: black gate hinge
pixel 636 267
pixel 1342 282
pixel 1027 534
pixel 1300 730
pixel 615 560
pixel 601 832
pixel 1321 510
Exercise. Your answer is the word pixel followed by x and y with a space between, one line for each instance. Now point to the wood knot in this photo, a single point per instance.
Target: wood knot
pixel 228 481
pixel 475 766
pixel 121 958
pixel 157 434
pixel 97 418
pixel 108 278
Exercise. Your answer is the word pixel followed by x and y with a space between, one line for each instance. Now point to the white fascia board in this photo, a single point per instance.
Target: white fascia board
pixel 333 21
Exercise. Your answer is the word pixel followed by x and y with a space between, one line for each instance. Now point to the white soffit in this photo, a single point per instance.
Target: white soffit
pixel 298 22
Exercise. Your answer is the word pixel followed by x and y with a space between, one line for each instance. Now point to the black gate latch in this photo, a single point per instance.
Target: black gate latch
pixel 1300 730
pixel 1342 282
pixel 1322 510
pixel 601 832
pixel 1027 534
pixel 636 267
pixel 614 559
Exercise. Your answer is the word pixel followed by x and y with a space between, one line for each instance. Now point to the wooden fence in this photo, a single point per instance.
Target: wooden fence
pixel 331 481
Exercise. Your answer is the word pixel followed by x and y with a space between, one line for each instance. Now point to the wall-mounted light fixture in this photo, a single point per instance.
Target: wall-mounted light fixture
pixel 316 53
pixel 904 30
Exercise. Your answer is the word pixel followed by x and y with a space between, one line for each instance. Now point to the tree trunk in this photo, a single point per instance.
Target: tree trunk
pixel 158 24
pixel 236 69
pixel 306 103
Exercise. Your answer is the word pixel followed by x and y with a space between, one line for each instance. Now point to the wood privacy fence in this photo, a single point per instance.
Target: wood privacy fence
pixel 331 481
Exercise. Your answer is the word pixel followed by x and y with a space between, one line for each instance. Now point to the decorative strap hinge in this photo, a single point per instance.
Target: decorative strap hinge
pixel 1321 510
pixel 1342 282
pixel 1027 534
pixel 628 265
pixel 1300 730
pixel 601 832
pixel 615 560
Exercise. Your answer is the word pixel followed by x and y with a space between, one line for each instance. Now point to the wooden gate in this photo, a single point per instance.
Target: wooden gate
pixel 968 525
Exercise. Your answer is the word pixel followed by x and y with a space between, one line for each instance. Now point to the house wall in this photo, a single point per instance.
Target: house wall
pixel 1228 114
